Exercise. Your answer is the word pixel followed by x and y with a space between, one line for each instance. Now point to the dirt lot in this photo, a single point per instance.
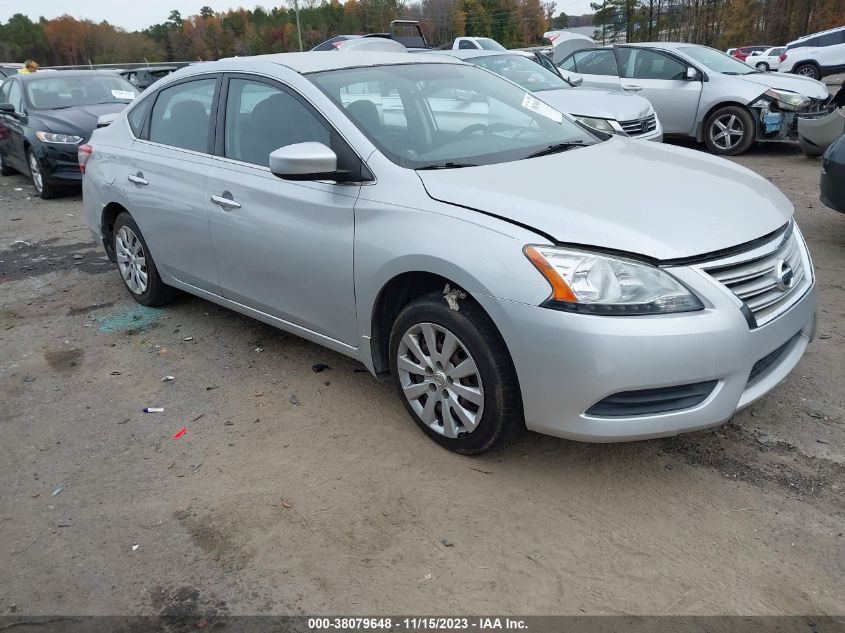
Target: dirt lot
pixel 302 492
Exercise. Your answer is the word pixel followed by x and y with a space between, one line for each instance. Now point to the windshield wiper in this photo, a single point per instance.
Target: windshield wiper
pixel 556 148
pixel 448 165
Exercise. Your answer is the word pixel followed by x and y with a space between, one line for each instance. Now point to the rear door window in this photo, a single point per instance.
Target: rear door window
pixel 182 113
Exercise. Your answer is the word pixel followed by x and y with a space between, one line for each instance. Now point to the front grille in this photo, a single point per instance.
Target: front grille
pixel 768 279
pixel 767 361
pixel 652 401
pixel 638 127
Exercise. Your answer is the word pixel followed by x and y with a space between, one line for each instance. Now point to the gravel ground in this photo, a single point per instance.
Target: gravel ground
pixel 294 491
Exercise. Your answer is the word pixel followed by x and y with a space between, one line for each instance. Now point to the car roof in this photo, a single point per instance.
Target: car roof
pixel 471 53
pixel 63 73
pixel 806 37
pixel 317 61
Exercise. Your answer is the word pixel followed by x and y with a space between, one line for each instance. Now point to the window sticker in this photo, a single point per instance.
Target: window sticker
pixel 530 102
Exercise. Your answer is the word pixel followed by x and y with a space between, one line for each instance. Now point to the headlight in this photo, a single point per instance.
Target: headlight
pixel 601 284
pixel 788 100
pixel 602 125
pixel 49 137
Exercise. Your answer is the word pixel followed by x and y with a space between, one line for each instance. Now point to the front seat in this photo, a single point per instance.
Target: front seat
pixel 276 122
pixel 366 113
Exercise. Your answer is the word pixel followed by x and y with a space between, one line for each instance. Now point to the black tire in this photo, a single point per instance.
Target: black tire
pixel 735 118
pixel 156 292
pixel 45 190
pixel 808 70
pixel 763 66
pixel 5 170
pixel 501 417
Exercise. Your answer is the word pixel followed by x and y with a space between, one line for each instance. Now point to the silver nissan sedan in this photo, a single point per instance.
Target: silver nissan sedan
pixel 504 265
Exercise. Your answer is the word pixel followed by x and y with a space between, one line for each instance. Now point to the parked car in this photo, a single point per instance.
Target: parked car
pixel 730 51
pixel 744 52
pixel 143 78
pixel 833 176
pixel 702 93
pixel 766 60
pixel 477 43
pixel 503 264
pixel 608 112
pixel 817 55
pixel 817 134
pixel 44 117
pixel 406 32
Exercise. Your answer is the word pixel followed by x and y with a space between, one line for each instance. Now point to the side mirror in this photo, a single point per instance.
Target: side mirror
pixel 7 107
pixel 575 79
pixel 106 119
pixel 693 74
pixel 304 161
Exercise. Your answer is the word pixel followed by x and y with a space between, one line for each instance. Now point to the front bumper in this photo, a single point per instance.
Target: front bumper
pixel 566 363
pixel 60 163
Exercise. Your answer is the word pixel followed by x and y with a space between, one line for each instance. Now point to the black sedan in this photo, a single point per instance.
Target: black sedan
pixel 44 117
pixel 833 176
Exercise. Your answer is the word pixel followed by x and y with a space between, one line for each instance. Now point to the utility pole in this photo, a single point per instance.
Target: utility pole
pixel 298 29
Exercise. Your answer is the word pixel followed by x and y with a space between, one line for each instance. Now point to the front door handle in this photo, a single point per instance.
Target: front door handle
pixel 137 179
pixel 226 201
pixel 632 88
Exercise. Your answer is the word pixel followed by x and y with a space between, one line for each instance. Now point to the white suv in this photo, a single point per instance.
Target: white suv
pixel 816 55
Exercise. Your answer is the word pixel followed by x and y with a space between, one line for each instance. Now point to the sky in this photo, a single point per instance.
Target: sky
pixel 135 15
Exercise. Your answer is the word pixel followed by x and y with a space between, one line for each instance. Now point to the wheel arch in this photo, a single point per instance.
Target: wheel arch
pixel 393 296
pixel 107 218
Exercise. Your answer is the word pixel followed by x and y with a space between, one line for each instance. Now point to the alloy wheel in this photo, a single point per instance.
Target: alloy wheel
pixel 763 66
pixel 727 131
pixel 807 71
pixel 131 260
pixel 35 171
pixel 440 380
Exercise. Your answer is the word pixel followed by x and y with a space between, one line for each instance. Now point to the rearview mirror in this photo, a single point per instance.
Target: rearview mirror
pixel 304 161
pixel 693 74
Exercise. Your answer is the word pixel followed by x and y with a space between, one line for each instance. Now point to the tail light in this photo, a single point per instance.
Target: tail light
pixel 782 57
pixel 83 154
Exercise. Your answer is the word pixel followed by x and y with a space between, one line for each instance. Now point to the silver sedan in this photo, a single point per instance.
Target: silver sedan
pixel 503 265
pixel 700 92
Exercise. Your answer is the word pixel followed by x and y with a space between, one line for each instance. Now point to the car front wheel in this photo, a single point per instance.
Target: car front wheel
pixel 729 131
pixel 136 265
pixel 454 375
pixel 39 178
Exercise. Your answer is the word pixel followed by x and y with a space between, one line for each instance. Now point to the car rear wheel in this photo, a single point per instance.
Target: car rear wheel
pixel 763 66
pixel 729 131
pixel 808 70
pixel 37 173
pixel 5 170
pixel 136 265
pixel 454 375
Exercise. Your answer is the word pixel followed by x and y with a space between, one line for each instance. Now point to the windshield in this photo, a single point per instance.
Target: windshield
pixel 717 61
pixel 490 45
pixel 447 115
pixel 521 70
pixel 55 93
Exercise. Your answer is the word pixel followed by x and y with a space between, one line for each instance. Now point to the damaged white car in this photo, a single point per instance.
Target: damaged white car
pixel 700 92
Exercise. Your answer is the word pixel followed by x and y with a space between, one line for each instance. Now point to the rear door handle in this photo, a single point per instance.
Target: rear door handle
pixel 226 201
pixel 137 179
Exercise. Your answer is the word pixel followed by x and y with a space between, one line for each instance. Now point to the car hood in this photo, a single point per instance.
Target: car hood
pixel 660 201
pixel 597 103
pixel 794 83
pixel 79 120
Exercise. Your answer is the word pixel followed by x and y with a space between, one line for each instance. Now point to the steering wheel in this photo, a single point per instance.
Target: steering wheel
pixel 472 129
